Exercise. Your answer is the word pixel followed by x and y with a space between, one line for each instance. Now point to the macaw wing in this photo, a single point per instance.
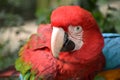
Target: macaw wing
pixel 35 58
pixel 111 50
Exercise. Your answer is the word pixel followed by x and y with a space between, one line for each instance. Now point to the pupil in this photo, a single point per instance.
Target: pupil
pixel 77 28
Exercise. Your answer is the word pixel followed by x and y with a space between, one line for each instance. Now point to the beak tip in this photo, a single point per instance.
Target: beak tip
pixel 56 55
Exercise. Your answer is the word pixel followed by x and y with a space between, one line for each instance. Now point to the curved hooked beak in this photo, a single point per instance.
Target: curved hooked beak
pixel 60 42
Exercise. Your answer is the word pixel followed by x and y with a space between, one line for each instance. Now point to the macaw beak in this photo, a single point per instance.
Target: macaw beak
pixel 60 42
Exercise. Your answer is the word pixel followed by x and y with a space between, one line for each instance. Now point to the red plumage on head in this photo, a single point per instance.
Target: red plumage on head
pixel 76 16
pixel 72 15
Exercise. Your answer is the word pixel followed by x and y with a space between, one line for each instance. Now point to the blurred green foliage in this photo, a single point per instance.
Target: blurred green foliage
pixel 8 19
pixel 15 12
pixel 43 11
pixel 7 60
pixel 43 16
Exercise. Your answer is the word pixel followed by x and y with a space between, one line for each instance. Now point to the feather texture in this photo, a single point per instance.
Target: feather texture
pixel 35 59
pixel 111 50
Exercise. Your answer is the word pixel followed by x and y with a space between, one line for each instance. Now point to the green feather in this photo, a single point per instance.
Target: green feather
pixel 21 66
pixel 32 77
pixel 27 76
pixel 99 78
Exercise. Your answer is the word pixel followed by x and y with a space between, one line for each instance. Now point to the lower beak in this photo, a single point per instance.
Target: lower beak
pixel 60 42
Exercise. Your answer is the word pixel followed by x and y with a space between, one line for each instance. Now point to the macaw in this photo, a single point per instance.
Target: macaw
pixel 70 48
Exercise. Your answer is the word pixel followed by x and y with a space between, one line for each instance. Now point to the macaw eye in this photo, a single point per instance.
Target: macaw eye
pixel 77 29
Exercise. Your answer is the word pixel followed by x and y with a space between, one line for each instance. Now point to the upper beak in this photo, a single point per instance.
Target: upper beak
pixel 60 42
pixel 57 40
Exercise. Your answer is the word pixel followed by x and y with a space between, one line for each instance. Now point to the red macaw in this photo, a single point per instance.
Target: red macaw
pixel 70 48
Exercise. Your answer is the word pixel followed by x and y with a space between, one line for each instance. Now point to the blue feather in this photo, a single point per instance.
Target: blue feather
pixel 111 50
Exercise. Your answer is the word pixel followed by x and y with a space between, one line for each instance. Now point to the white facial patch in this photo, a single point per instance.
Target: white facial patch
pixel 75 34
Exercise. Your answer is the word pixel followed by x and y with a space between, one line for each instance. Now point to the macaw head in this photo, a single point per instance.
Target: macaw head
pixel 75 34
